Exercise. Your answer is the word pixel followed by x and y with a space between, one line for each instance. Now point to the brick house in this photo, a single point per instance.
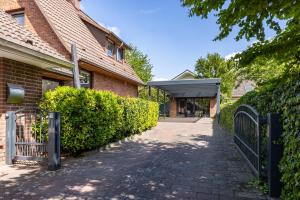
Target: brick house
pixel 35 53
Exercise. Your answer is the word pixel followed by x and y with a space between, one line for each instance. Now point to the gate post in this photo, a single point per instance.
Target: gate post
pixel 54 161
pixel 10 137
pixel 274 154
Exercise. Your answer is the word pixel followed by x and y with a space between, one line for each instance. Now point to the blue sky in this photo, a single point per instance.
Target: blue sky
pixel 163 30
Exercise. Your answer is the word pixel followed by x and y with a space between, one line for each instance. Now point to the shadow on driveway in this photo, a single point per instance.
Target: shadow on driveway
pixel 172 161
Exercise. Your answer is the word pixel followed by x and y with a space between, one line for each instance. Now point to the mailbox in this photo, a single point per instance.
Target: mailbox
pixel 15 93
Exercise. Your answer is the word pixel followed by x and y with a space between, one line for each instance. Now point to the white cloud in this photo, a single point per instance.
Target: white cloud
pixel 159 79
pixel 150 11
pixel 113 29
pixel 231 55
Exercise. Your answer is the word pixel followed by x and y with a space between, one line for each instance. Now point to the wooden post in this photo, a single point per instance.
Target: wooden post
pixel 76 78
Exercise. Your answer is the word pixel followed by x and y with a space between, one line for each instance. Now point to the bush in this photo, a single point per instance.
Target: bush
pixel 91 119
pixel 282 96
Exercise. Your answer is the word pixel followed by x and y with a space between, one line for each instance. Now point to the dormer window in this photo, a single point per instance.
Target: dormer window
pixel 20 17
pixel 120 54
pixel 110 49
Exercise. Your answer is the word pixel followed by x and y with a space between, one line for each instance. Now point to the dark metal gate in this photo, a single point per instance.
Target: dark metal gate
pixel 247 129
pixel 33 136
pixel 248 136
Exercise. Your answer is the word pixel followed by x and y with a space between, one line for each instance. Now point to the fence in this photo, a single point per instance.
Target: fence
pixel 33 136
pixel 257 138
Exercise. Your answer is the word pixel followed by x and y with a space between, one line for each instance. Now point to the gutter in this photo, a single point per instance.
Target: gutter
pixel 20 53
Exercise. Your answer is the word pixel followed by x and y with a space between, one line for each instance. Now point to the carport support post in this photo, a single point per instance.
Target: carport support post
pixel 218 102
pixel 149 93
pixel 164 103
pixel 157 97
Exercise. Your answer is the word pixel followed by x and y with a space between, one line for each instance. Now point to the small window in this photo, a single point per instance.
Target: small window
pixel 120 54
pixel 20 17
pixel 85 80
pixel 248 87
pixel 48 84
pixel 110 49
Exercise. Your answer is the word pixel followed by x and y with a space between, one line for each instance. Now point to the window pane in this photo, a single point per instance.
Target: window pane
pixel 85 80
pixel 49 85
pixel 120 54
pixel 20 18
pixel 110 49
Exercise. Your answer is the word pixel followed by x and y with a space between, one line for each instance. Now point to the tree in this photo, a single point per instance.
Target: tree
pixel 140 63
pixel 215 66
pixel 251 18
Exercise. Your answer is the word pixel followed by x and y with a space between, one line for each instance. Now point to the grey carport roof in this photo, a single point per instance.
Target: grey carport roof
pixel 189 88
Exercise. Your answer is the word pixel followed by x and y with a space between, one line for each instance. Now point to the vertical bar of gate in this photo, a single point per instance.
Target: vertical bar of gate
pixel 274 154
pixel 259 129
pixel 54 161
pixel 10 137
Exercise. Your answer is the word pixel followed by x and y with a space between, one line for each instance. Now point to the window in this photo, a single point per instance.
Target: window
pixel 48 84
pixel 85 79
pixel 120 54
pixel 110 49
pixel 20 17
pixel 248 87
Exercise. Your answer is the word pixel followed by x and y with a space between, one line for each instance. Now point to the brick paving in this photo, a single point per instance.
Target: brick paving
pixel 172 161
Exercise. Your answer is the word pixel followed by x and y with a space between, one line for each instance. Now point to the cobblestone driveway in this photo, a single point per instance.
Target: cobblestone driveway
pixel 172 161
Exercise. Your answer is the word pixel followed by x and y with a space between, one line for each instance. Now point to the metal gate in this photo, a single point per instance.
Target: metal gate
pixel 33 135
pixel 257 144
pixel 247 129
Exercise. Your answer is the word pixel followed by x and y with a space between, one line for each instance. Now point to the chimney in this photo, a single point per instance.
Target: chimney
pixel 76 3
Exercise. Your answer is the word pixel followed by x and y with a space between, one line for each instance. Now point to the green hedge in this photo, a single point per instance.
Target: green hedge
pixel 282 96
pixel 91 119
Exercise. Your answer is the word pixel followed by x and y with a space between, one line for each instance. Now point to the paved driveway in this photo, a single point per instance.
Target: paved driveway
pixel 172 161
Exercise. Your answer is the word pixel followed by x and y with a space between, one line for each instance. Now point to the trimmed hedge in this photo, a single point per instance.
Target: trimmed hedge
pixel 91 119
pixel 282 96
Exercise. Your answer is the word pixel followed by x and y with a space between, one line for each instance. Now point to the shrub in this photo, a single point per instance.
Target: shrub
pixel 282 96
pixel 91 119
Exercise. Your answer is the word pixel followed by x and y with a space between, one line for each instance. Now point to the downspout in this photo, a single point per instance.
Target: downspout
pixel 75 67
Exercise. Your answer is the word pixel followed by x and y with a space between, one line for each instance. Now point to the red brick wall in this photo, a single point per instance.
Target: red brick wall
pixel 173 108
pixel 36 22
pixel 123 88
pixel 22 74
pixel 213 107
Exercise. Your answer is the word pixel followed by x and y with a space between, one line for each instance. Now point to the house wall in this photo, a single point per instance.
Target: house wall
pixel 22 74
pixel 213 107
pixel 123 88
pixel 36 22
pixel 173 108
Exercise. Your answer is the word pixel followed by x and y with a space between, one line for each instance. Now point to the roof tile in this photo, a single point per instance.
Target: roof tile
pixel 11 31
pixel 68 24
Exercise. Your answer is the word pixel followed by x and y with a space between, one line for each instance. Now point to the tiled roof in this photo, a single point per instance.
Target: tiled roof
pixel 11 31
pixel 65 19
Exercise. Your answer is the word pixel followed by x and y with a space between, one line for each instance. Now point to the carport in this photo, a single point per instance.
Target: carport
pixel 185 95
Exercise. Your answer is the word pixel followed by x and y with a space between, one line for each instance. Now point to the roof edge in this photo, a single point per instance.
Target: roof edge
pixel 96 65
pixel 17 49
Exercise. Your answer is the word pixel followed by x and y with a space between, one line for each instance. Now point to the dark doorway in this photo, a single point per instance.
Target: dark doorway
pixel 193 107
